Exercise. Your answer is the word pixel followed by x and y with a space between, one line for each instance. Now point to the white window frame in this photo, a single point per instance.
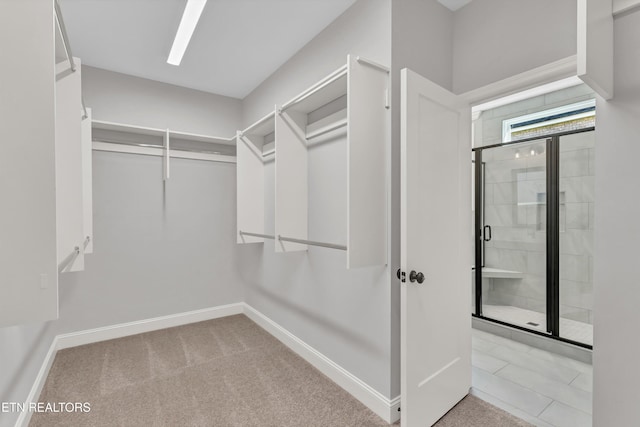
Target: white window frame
pixel 506 124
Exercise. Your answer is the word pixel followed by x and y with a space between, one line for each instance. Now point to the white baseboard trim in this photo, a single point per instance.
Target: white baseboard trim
pixel 38 384
pixel 382 406
pixel 90 336
pixel 379 404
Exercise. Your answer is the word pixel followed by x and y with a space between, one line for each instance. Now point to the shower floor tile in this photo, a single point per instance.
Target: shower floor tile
pixel 570 329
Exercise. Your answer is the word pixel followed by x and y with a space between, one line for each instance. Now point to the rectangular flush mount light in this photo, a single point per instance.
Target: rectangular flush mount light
pixel 188 23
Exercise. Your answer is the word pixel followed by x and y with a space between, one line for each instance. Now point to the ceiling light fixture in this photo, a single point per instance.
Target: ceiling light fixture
pixel 188 23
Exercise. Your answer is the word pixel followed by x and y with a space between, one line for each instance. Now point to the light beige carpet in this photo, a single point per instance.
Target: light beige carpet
pixel 225 372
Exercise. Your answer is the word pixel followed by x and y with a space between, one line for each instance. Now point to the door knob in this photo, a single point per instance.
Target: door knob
pixel 416 277
pixel 400 275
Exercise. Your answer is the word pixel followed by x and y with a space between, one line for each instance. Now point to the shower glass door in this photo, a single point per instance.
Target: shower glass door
pixel 512 214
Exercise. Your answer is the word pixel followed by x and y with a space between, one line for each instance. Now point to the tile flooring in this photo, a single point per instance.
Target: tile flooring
pixel 542 388
pixel 570 329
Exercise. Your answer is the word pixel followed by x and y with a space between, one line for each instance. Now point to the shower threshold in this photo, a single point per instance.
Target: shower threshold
pixel 569 329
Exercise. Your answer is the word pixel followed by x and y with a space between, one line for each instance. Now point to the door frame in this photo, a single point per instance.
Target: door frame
pixel 548 73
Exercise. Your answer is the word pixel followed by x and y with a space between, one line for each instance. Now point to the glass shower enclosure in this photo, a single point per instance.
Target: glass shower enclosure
pixel 533 215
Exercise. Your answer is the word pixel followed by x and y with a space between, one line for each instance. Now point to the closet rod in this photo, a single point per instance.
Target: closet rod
pixel 372 64
pixel 337 125
pixel 266 236
pixel 312 243
pixel 340 72
pixel 67 49
pixel 69 260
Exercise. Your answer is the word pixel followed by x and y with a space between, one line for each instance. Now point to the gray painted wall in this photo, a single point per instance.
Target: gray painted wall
pixel 495 39
pixel 344 314
pixel 126 99
pixel 364 29
pixel 616 314
pixel 158 250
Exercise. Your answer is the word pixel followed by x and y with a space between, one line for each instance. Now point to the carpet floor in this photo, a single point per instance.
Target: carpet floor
pixel 225 372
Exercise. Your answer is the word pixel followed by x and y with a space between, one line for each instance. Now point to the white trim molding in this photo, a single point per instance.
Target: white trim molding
pixel 387 409
pixel 90 336
pixel 38 384
pixel 539 76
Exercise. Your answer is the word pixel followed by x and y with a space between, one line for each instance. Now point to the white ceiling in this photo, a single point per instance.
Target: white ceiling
pixel 236 45
pixel 454 4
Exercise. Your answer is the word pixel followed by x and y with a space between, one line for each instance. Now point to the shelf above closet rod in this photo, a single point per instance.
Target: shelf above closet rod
pixel 339 73
pixel 373 64
pixel 337 125
pixel 264 236
pixel 313 243
pixel 255 126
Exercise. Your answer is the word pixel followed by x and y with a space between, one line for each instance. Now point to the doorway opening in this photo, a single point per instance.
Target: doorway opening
pixel 533 172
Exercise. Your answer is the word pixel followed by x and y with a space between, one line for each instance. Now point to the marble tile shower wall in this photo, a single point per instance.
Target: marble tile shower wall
pixel 517 219
pixel 577 174
pixel 515 206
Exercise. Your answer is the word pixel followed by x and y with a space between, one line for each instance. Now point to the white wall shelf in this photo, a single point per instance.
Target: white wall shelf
pixel 498 273
pixel 365 120
pixel 167 143
pixel 254 147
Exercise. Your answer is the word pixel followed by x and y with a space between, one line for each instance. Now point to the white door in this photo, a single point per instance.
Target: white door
pixel 435 249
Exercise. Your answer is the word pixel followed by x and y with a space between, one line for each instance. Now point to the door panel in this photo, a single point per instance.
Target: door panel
pixel 435 240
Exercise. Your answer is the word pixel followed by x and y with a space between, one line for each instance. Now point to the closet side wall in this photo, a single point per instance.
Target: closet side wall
pixel 159 250
pixel 616 350
pixel 344 314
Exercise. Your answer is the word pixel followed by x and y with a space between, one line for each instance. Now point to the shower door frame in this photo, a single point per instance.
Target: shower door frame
pixel 552 233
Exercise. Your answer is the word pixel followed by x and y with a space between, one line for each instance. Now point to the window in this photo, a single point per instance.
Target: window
pixel 561 119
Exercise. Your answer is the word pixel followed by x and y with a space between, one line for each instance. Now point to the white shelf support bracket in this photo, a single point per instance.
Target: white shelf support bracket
pixel 167 155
